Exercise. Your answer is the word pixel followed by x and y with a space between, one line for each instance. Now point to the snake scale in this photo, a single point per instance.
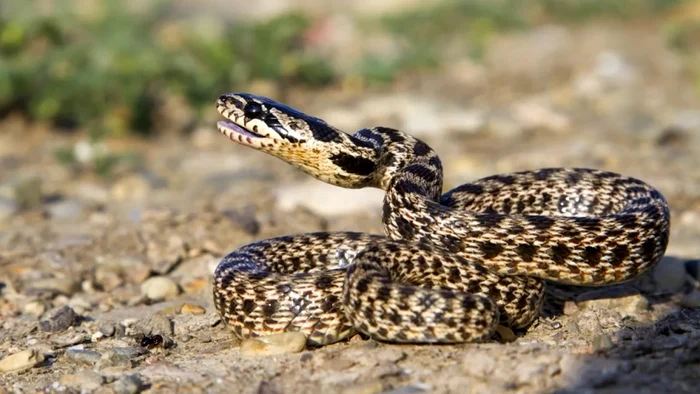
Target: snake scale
pixel 451 267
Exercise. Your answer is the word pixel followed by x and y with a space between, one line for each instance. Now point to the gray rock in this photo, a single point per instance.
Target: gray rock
pixel 130 352
pixel 8 208
pixel 70 338
pixel 245 220
pixel 128 384
pixel 83 356
pixel 670 274
pixel 107 329
pixel 414 388
pixel 64 209
pixel 28 193
pixel 60 319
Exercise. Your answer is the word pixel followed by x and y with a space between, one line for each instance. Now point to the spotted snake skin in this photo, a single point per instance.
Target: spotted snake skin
pixel 451 267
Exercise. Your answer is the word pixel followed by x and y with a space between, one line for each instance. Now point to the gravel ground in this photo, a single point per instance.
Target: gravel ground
pixel 105 284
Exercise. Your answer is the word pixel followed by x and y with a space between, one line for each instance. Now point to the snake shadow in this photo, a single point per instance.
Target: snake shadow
pixel 657 356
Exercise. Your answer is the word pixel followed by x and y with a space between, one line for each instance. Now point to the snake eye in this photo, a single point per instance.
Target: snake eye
pixel 253 110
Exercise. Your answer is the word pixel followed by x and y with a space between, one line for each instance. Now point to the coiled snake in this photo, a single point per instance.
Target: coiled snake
pixel 452 266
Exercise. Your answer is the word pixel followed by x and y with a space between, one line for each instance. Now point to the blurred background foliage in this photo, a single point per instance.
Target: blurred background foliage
pixel 109 69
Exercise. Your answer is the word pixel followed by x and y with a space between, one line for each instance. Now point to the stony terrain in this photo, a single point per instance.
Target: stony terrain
pixel 105 284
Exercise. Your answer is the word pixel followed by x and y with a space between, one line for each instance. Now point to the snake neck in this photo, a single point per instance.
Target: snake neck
pixel 401 162
pixel 409 171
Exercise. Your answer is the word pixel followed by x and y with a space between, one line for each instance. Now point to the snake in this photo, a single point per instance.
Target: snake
pixel 450 267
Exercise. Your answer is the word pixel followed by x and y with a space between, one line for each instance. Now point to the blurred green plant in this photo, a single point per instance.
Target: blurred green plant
pixel 426 35
pixel 109 69
pixel 115 67
pixel 579 10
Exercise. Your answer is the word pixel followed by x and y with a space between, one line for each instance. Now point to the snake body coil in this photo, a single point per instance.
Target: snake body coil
pixel 452 266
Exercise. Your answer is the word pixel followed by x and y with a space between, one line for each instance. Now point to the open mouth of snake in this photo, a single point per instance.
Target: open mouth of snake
pixel 230 129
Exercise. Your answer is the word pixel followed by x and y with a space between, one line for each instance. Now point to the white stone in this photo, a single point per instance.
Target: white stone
pixel 159 288
pixel 287 342
pixel 21 361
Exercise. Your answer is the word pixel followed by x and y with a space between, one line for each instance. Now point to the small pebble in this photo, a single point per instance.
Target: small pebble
pixel 64 209
pixel 34 308
pixel 70 338
pixel 8 208
pixel 128 384
pixel 83 356
pixel 107 329
pixel 21 361
pixel 570 308
pixel 159 288
pixel 414 388
pixel 28 193
pixel 131 188
pixel 111 358
pixel 107 278
pixel 190 309
pixel 245 220
pixel 602 343
pixel 288 342
pixel 128 351
pixel 60 319
pixel 158 323
pixel 691 300
pixel 670 274
pixel 86 380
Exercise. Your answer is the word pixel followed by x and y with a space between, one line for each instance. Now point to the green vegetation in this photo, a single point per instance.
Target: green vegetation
pixel 99 66
pixel 110 69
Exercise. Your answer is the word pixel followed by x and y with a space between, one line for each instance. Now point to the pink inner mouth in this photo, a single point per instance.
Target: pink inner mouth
pixel 230 127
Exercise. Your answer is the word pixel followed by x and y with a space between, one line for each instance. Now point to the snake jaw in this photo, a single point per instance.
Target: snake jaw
pixel 242 135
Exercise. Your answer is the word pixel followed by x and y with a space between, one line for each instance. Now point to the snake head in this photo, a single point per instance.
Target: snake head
pixel 303 141
pixel 264 124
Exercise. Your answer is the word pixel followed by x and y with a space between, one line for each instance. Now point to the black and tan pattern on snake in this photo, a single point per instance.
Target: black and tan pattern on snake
pixel 451 266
